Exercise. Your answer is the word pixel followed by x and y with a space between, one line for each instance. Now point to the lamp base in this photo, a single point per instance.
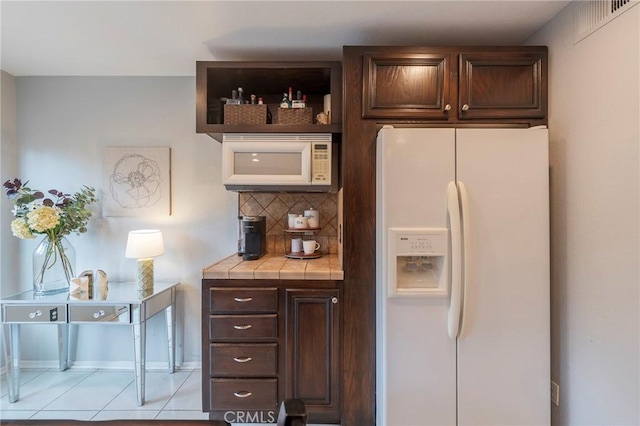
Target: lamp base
pixel 145 275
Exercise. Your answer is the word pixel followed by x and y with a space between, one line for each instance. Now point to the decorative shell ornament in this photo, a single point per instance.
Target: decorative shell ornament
pixel 322 118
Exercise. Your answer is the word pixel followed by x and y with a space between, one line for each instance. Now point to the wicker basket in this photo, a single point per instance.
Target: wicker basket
pixel 245 114
pixel 293 116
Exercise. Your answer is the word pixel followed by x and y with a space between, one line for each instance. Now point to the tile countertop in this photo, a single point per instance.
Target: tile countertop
pixel 272 266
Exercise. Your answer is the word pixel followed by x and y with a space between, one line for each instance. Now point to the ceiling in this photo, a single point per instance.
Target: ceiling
pixel 166 38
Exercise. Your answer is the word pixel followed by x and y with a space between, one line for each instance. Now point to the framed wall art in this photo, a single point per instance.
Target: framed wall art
pixel 136 181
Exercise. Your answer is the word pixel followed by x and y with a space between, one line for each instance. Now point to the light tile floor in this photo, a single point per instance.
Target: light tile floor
pixel 50 394
pixel 103 395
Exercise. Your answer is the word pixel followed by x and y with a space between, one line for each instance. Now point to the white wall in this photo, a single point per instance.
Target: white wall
pixel 8 243
pixel 63 124
pixel 594 130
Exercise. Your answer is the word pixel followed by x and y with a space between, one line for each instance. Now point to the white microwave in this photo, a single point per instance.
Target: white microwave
pixel 273 162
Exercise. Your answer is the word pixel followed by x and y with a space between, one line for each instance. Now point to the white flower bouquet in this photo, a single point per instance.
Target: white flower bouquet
pixel 54 216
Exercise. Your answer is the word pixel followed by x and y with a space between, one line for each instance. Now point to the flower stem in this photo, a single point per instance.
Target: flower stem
pixel 55 250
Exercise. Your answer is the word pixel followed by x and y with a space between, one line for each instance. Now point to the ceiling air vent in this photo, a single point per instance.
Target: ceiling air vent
pixel 593 14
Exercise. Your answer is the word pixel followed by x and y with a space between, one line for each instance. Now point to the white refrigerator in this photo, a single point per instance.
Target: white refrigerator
pixel 463 277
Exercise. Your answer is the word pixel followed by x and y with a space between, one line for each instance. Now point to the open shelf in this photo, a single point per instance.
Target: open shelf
pixel 269 80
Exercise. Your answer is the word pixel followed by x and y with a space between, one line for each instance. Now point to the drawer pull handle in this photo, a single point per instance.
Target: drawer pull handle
pixel 242 359
pixel 242 394
pixel 98 314
pixel 242 327
pixel 37 313
pixel 243 299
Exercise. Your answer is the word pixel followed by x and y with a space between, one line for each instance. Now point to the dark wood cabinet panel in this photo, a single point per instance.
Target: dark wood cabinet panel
pixel 503 85
pixel 248 329
pixel 313 348
pixel 359 289
pixel 243 359
pixel 235 327
pixel 454 85
pixel 406 85
pixel 244 394
pixel 244 300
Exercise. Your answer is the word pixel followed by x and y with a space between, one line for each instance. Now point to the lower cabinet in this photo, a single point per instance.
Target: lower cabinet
pixel 313 349
pixel 268 340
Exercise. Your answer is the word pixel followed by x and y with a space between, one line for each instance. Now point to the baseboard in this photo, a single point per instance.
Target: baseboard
pixel 103 365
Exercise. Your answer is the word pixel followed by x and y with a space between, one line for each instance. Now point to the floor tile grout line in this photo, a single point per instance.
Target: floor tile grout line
pixel 40 371
pixel 173 394
pixel 43 408
pixel 67 391
pixel 129 384
pixel 114 398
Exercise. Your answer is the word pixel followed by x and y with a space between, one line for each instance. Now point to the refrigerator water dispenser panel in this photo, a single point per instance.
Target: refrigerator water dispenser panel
pixel 417 262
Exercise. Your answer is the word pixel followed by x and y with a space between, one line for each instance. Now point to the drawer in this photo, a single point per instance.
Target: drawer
pixel 99 313
pixel 243 326
pixel 36 314
pixel 243 300
pixel 243 394
pixel 243 359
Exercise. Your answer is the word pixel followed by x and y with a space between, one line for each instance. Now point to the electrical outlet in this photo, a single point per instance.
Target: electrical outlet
pixel 555 393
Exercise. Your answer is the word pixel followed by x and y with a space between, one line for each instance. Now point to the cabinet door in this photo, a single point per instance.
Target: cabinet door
pixel 497 85
pixel 504 343
pixel 406 85
pixel 312 358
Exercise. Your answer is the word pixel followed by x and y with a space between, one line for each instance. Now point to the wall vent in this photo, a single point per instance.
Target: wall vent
pixel 591 15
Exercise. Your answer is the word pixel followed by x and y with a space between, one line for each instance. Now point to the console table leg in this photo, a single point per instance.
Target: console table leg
pixel 63 346
pixel 12 358
pixel 170 319
pixel 139 348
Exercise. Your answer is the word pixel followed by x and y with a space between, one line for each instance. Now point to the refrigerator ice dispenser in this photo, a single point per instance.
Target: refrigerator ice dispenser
pixel 417 262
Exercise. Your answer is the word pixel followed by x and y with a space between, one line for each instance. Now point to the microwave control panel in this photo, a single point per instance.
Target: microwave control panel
pixel 321 163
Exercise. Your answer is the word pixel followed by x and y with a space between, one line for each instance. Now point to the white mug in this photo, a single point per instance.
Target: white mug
pixel 296 245
pixel 301 222
pixel 310 246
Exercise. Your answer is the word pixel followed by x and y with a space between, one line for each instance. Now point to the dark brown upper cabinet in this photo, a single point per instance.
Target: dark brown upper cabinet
pixel 455 84
pixel 497 85
pixel 269 80
pixel 406 85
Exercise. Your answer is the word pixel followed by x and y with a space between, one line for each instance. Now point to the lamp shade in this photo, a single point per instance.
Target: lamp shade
pixel 144 243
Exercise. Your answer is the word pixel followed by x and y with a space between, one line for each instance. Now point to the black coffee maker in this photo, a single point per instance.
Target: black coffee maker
pixel 252 241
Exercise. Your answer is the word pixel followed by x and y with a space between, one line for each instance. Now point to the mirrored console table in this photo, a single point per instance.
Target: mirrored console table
pixel 119 304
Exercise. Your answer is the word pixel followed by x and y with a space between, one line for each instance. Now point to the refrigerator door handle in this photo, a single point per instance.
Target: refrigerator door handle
pixel 453 209
pixel 466 233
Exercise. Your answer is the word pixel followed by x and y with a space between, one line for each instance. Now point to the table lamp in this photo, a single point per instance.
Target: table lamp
pixel 144 245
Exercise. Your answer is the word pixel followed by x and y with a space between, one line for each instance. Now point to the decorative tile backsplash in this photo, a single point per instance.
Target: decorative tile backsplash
pixel 276 206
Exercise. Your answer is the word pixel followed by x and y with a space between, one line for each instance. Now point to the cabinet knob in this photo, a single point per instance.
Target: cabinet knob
pixel 242 327
pixel 465 107
pixel 37 313
pixel 334 300
pixel 242 359
pixel 242 394
pixel 447 107
pixel 243 299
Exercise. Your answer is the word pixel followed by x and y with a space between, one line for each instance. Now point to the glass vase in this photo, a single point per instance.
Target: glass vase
pixel 54 261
